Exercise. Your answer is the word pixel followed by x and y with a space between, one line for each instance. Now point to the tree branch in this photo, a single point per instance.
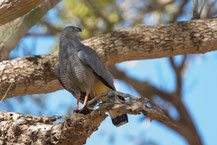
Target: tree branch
pixel 41 130
pixel 74 129
pixel 201 7
pixel 11 9
pixel 51 29
pixel 11 33
pixel 179 71
pixel 28 74
pixel 142 87
pixel 184 122
pixel 197 36
pixel 179 11
pixel 195 10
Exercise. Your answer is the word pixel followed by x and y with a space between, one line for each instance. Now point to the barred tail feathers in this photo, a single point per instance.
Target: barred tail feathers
pixel 118 119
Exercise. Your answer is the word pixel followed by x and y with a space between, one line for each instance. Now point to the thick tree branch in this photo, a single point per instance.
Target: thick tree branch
pixel 41 130
pixel 28 74
pixel 74 129
pixel 11 33
pixel 11 9
pixel 197 36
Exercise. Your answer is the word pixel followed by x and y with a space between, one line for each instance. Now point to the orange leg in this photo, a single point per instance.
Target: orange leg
pixel 85 100
pixel 78 99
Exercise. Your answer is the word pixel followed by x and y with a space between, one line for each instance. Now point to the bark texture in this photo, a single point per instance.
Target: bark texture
pixel 21 129
pixel 12 32
pixel 28 74
pixel 165 40
pixel 11 9
pixel 143 42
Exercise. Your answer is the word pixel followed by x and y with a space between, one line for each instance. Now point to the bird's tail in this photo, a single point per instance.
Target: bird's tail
pixel 117 118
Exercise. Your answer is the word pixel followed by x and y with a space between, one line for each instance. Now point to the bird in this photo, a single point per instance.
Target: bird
pixel 81 72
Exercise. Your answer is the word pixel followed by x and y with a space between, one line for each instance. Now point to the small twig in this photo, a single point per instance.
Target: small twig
pixel 172 62
pixel 183 63
pixel 202 6
pixel 195 10
pixel 6 92
pixel 52 29
pixel 179 11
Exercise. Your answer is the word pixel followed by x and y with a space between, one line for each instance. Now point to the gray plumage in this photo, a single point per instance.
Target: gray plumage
pixel 79 67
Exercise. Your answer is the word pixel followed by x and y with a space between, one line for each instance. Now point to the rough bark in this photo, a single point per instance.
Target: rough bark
pixel 11 9
pixel 29 74
pixel 12 32
pixel 143 42
pixel 165 40
pixel 21 129
pixel 17 128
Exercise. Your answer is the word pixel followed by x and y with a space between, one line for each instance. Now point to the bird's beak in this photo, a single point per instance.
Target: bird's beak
pixel 78 29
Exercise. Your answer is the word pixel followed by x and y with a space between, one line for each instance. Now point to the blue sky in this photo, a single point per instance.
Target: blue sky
pixel 200 83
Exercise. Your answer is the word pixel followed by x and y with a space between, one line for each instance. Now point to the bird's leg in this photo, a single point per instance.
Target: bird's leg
pixel 86 98
pixel 78 99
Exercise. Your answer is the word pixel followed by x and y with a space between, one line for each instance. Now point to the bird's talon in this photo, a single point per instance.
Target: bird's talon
pixel 85 110
pixel 76 111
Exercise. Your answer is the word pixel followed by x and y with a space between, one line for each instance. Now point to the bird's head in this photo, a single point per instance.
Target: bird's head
pixel 70 31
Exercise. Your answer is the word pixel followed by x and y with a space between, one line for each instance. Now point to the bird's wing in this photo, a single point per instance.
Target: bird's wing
pixel 57 72
pixel 91 59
